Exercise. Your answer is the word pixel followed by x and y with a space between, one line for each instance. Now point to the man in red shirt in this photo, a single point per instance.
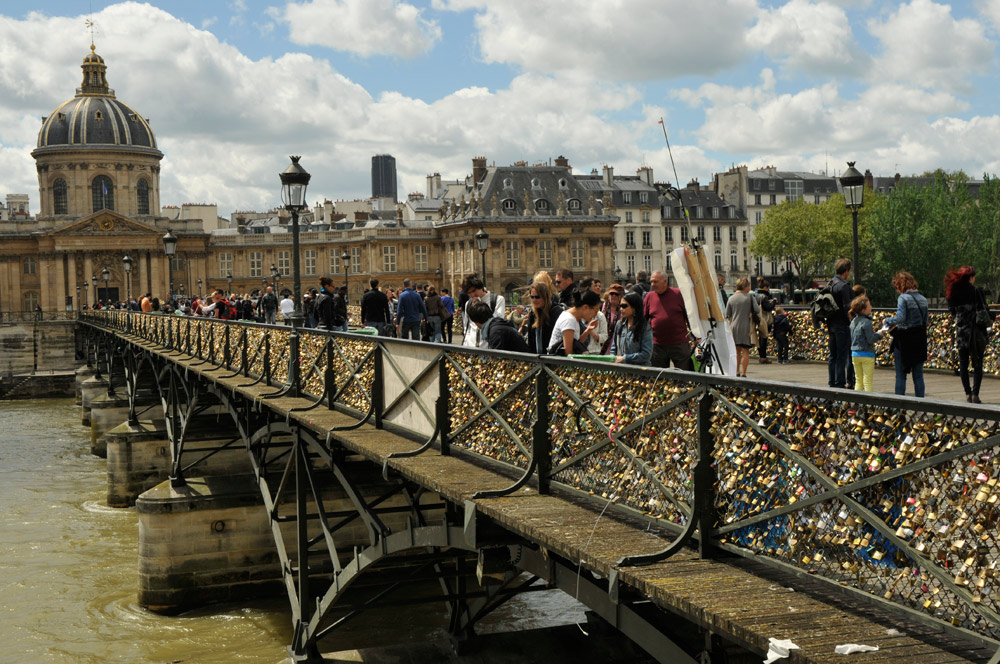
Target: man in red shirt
pixel 664 308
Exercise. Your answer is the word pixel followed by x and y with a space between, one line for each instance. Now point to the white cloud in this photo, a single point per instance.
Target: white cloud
pixel 618 40
pixel 814 37
pixel 990 9
pixel 362 27
pixel 924 44
pixel 209 22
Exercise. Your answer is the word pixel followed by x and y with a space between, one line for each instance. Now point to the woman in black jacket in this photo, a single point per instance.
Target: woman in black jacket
pixel 542 318
pixel 972 322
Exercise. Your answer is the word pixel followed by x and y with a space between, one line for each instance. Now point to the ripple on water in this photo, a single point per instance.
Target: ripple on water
pixel 97 507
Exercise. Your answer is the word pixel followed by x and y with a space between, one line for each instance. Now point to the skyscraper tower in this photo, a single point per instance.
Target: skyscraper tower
pixel 384 177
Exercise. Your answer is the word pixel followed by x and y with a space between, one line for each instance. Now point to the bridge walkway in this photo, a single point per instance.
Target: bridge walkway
pixel 744 603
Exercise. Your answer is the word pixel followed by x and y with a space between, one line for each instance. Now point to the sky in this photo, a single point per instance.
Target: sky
pixel 231 88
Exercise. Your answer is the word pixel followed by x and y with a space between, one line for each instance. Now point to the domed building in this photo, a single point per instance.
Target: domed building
pixel 99 197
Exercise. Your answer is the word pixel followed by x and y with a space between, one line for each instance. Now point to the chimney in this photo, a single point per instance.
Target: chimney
pixel 694 186
pixel 645 174
pixel 869 180
pixel 609 176
pixel 478 169
pixel 896 178
pixel 563 162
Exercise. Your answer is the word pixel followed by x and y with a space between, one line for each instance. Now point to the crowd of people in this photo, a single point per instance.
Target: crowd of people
pixel 642 323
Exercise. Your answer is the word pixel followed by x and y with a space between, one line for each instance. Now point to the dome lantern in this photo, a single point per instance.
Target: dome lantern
pixel 95 78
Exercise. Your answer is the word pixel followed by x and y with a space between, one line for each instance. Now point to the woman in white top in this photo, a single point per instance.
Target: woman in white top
pixel 567 327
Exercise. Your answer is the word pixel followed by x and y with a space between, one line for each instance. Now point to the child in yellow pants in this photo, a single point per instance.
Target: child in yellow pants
pixel 863 338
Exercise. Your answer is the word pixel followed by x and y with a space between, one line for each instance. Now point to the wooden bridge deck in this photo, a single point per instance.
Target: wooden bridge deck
pixel 737 599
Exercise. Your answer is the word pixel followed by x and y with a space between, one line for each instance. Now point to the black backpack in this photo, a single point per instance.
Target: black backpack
pixel 824 307
pixel 766 302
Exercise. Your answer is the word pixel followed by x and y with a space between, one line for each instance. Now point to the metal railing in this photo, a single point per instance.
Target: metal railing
pixel 33 316
pixel 893 499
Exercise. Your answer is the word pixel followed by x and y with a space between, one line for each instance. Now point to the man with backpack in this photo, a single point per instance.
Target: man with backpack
pixel 831 306
pixel 221 307
pixel 764 330
pixel 476 290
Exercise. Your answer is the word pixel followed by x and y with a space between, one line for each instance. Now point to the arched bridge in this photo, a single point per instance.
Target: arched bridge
pixel 679 507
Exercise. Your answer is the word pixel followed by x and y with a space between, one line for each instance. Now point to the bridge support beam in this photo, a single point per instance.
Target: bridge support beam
pixel 107 412
pixel 82 374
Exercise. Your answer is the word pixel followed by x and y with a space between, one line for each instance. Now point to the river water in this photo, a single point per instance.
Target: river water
pixel 68 567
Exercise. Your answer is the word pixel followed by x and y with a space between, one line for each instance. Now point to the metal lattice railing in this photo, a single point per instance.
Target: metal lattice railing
pixel 893 497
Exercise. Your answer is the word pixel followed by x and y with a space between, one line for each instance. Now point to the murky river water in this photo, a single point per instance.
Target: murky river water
pixel 68 566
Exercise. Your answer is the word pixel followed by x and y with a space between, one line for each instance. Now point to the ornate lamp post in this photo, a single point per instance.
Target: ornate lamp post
pixel 853 184
pixel 170 249
pixel 345 258
pixel 127 264
pixel 618 274
pixel 106 275
pixel 199 288
pixel 229 282
pixel 294 181
pixel 439 273
pixel 180 290
pixel 274 277
pixel 93 281
pixel 483 243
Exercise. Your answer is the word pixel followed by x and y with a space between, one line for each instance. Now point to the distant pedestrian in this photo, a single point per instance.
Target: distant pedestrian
pixel 448 320
pixel 410 311
pixel 767 304
pixel 564 282
pixel 973 321
pixel 375 309
pixel 782 332
pixel 863 338
pixel 632 341
pixel 909 333
pixel 473 286
pixel 722 290
pixel 435 313
pixel 611 309
pixel 542 317
pixel 499 333
pixel 742 312
pixel 287 306
pixel 642 283
pixel 838 325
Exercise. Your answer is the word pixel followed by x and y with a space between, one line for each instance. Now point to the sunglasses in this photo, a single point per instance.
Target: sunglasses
pixel 625 305
pixel 614 294
pixel 535 297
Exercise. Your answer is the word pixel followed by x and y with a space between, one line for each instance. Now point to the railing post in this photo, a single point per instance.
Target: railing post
pixel 378 385
pixel 227 351
pixel 704 477
pixel 441 410
pixel 245 351
pixel 541 441
pixel 267 358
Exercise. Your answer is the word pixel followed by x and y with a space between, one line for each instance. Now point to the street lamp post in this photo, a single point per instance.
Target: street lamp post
pixel 127 263
pixel 93 282
pixel 294 181
pixel 482 243
pixel 229 282
pixel 199 293
pixel 345 258
pixel 170 249
pixel 853 184
pixel 106 275
pixel 438 273
pixel 274 277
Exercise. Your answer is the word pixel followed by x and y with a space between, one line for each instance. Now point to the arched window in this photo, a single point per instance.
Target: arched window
pixel 575 205
pixel 142 195
pixel 542 205
pixel 60 200
pixel 509 206
pixel 103 191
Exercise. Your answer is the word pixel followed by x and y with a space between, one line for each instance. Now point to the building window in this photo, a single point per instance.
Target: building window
pixel 577 253
pixel 647 263
pixel 774 199
pixel 509 205
pixel 732 233
pixel 717 233
pixel 575 205
pixel 771 184
pixel 630 261
pixel 256 264
pixel 756 199
pixel 513 251
pixel 665 212
pixel 759 265
pixel 310 261
pixel 103 193
pixel 30 300
pixel 645 216
pixel 626 198
pixel 758 217
pixel 225 264
pixel 142 196
pixel 701 234
pixel 733 264
pixel 756 184
pixel 628 216
pixel 335 261
pixel 816 199
pixel 715 213
pixel 793 190
pixel 684 233
pixel 30 265
pixel 630 239
pixel 744 236
pixel 647 239
pixel 718 259
pixel 774 267
pixel 389 258
pixel 284 263
pixel 60 199
pixel 542 205
pixel 643 197
pixel 668 233
pixel 355 260
pixel 696 212
pixel 420 261
pixel 545 253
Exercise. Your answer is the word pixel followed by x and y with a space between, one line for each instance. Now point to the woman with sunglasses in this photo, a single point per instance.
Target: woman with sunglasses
pixel 612 312
pixel 632 342
pixel 542 317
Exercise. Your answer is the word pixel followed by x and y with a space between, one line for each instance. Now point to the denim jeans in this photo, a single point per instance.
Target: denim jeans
pixel 839 340
pixel 271 316
pixel 435 322
pixel 411 329
pixel 918 375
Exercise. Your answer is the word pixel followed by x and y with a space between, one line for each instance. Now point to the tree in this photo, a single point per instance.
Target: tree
pixel 812 237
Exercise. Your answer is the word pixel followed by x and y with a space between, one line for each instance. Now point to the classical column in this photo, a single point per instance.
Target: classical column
pixel 71 282
pixel 140 277
pixel 46 282
pixel 15 269
pixel 86 290
pixel 60 267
